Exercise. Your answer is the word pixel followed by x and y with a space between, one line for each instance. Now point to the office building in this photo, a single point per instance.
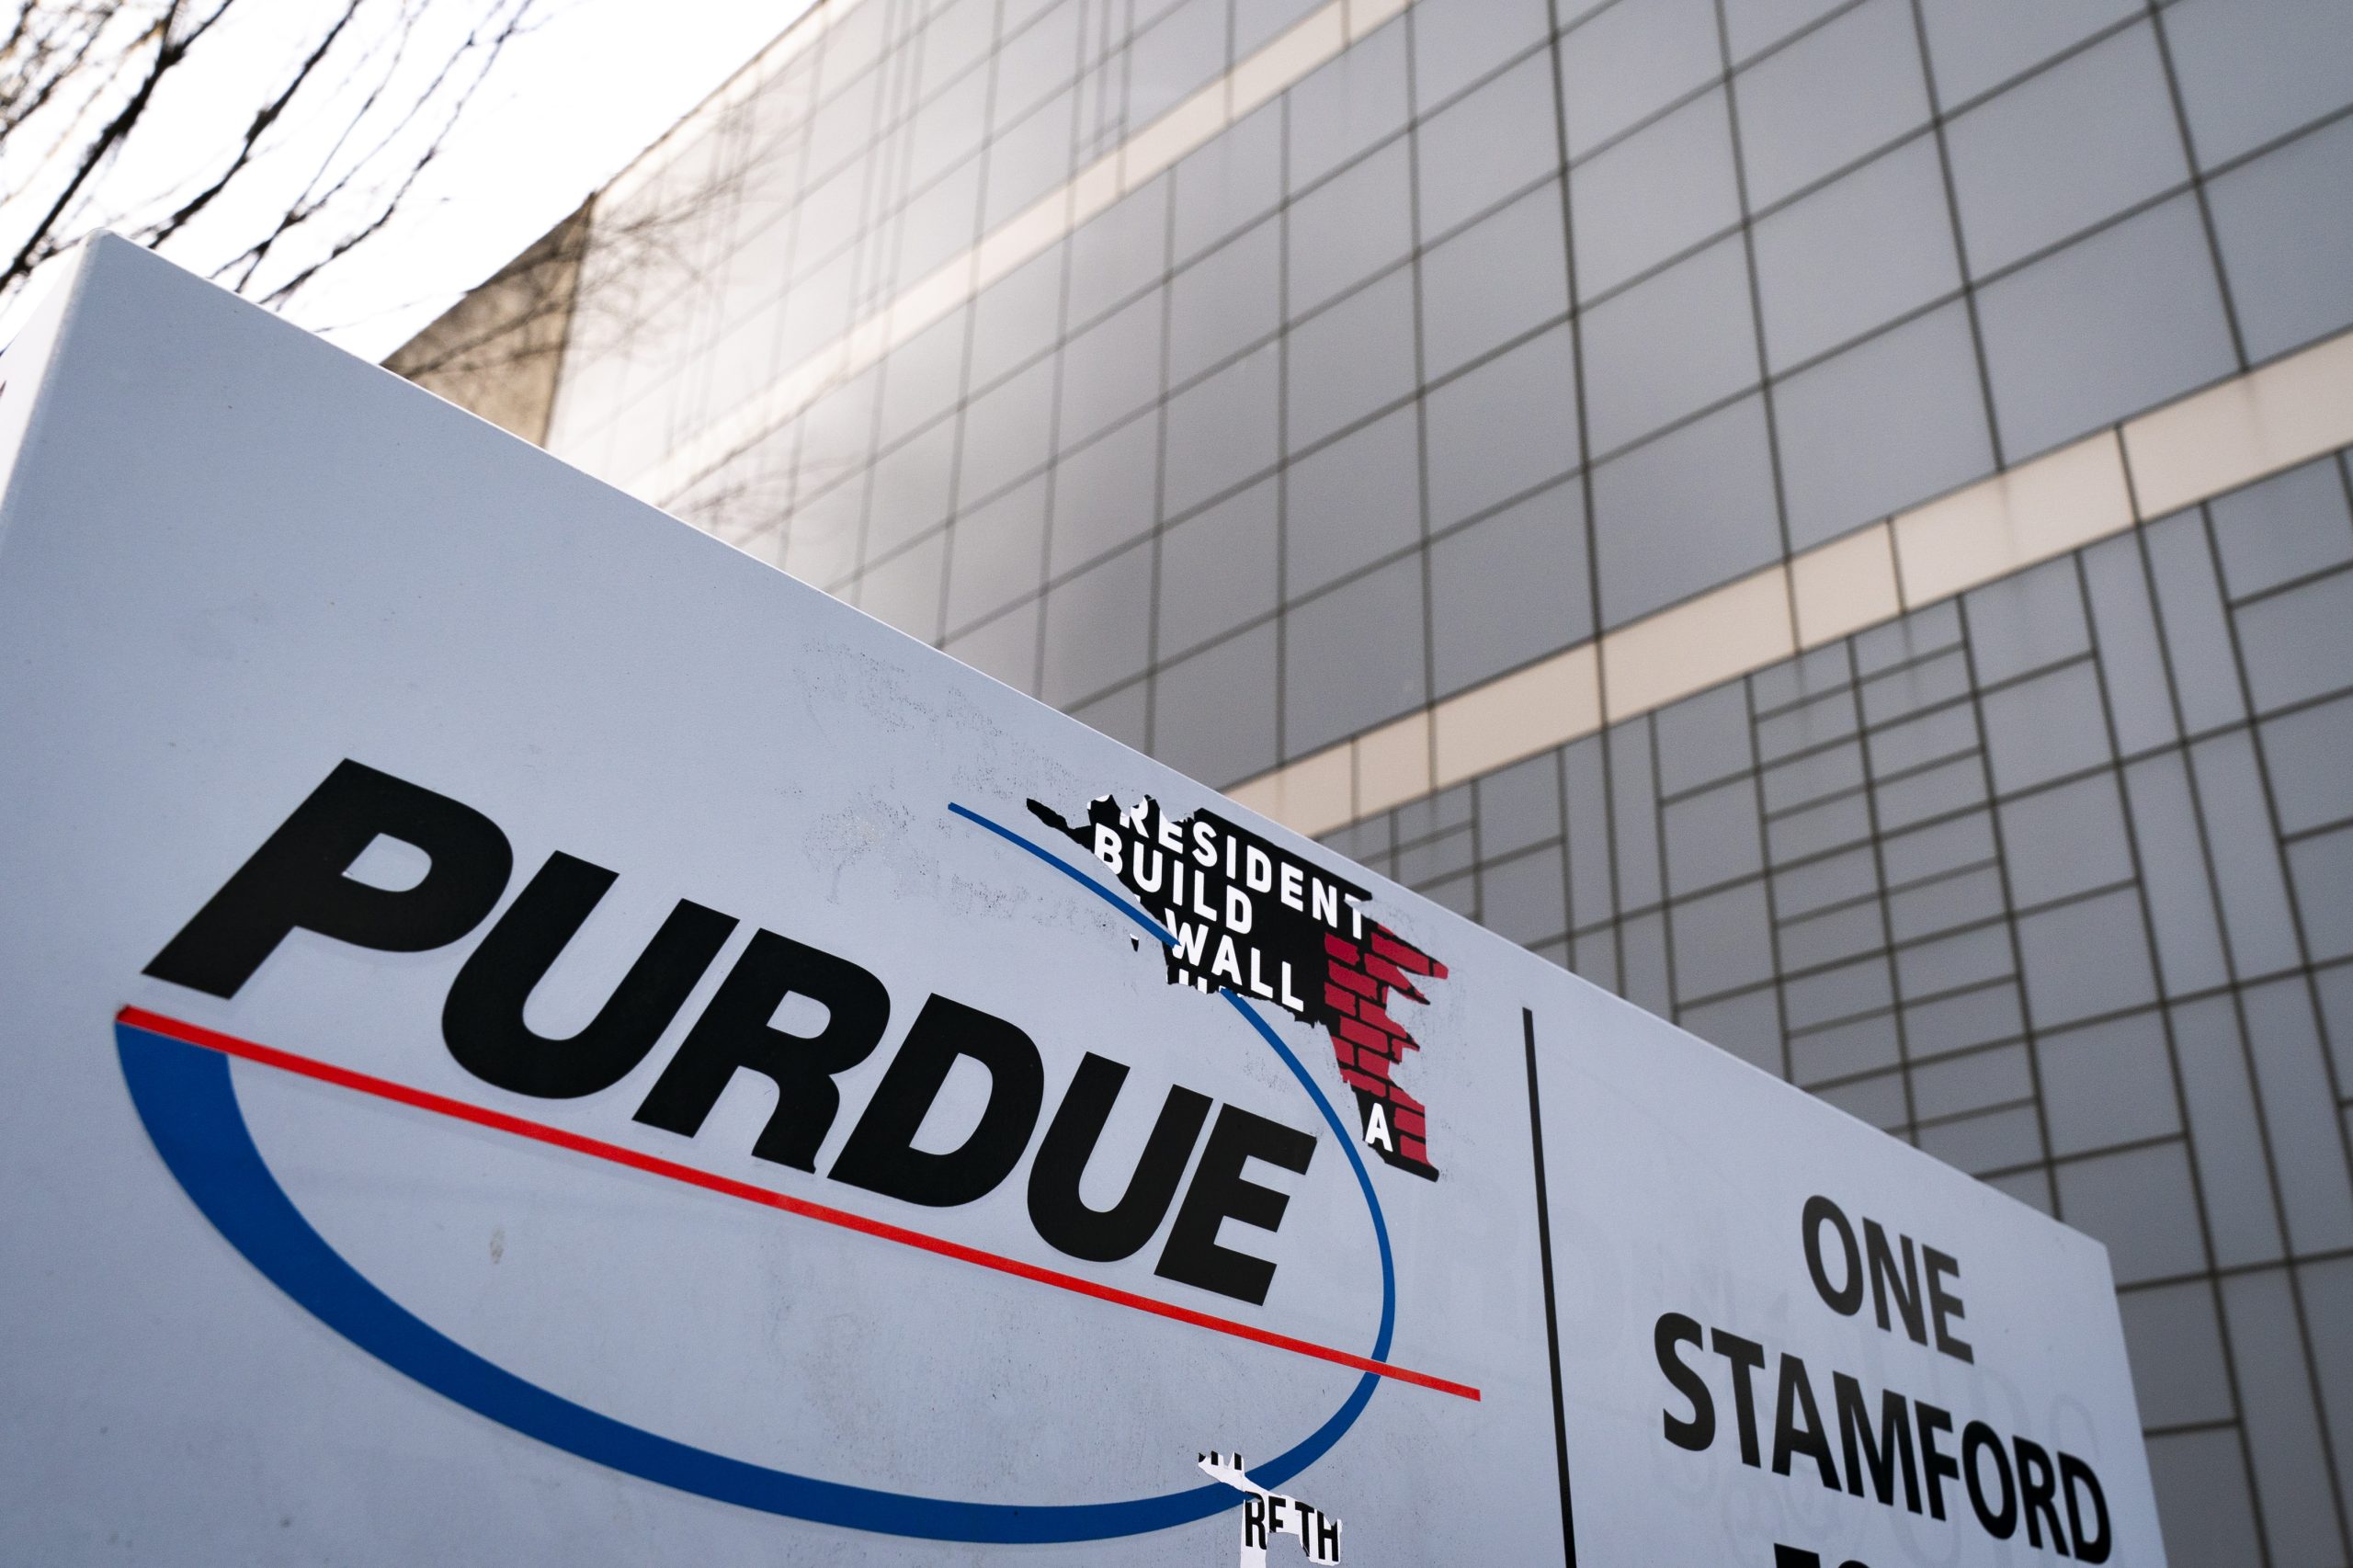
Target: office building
pixel 1829 519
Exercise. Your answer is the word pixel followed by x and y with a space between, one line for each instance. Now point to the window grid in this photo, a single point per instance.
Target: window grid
pixel 1994 1106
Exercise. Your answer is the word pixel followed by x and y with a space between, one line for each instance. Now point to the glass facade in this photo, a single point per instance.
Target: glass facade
pixel 1245 376
pixel 2054 881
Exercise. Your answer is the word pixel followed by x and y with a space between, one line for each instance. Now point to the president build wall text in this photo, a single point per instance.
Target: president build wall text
pixel 1245 916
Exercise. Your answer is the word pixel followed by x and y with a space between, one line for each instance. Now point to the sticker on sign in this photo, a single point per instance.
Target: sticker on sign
pixel 534 1034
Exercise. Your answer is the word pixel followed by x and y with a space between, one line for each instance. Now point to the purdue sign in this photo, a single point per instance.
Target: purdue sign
pixel 535 1036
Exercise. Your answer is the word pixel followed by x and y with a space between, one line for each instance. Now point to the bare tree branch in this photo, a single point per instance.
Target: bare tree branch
pixel 331 154
pixel 264 118
pixel 507 29
pixel 168 54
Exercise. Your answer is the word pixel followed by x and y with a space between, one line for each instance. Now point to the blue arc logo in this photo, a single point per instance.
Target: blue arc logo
pixel 186 1098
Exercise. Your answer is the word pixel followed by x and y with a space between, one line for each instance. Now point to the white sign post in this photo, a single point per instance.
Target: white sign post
pixel 535 1036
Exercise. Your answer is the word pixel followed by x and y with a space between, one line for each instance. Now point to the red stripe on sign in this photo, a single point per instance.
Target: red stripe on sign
pixel 652 1165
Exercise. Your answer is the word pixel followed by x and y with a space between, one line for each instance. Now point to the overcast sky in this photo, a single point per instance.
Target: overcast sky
pixel 567 108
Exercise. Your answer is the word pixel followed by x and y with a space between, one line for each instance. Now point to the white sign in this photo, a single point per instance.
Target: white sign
pixel 535 1037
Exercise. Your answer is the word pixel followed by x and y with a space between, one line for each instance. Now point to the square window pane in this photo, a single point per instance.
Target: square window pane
pixel 2069 340
pixel 1352 359
pixel 2290 525
pixel 1498 279
pixel 1702 738
pixel 1753 25
pixel 1520 805
pixel 1103 495
pixel 1349 228
pixel 2254 70
pixel 1218 570
pixel 1499 429
pixel 1972 1080
pixel 2280 222
pixel 1117 252
pixel 1882 426
pixel 1353 657
pixel 2298 643
pixel 2045 728
pixel 1509 588
pixel 1670 345
pixel 2086 958
pixel 2141 1204
pixel 1491 145
pixel 1722 941
pixel 1712 837
pixel 2063 149
pixel 1858 252
pixel 1524 899
pixel 911 489
pixel 2027 621
pixel 2065 841
pixel 1017 317
pixel 1686 512
pixel 1660 191
pixel 1458 42
pixel 1008 432
pixel 1227 301
pixel 1198 728
pixel 1845 89
pixel 923 376
pixel 1352 503
pixel 2306 753
pixel 1111 369
pixel 2176 1341
pixel 1975 45
pixel 1097 628
pixel 1632 60
pixel 1221 431
pixel 997 554
pixel 2199 1479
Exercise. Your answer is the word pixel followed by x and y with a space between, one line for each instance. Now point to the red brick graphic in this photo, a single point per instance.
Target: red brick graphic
pixel 1299 941
pixel 1368 1041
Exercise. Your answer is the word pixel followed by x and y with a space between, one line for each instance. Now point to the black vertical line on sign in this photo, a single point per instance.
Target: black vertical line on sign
pixel 1551 1308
